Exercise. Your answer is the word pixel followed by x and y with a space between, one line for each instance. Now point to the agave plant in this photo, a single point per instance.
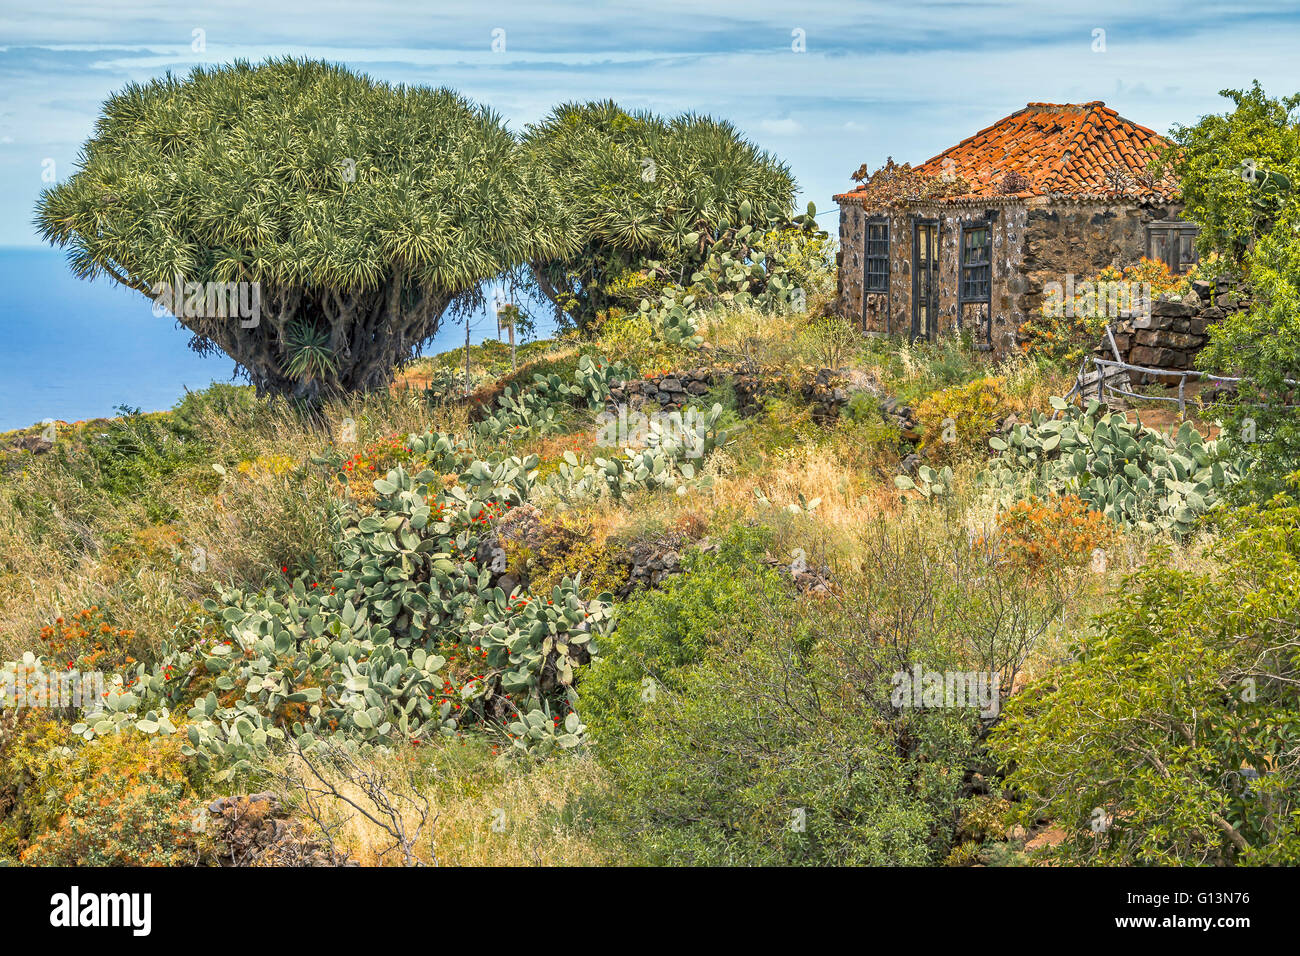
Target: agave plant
pixel 310 357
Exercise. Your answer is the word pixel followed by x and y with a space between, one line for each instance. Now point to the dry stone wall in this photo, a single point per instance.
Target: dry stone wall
pixel 1176 328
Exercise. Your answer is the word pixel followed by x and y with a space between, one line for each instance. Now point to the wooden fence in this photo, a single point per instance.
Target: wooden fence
pixel 1107 375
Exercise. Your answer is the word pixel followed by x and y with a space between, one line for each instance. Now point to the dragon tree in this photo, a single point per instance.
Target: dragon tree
pixel 360 214
pixel 648 198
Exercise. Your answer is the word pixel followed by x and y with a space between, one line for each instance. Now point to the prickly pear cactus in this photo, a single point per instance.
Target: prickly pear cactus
pixel 366 658
pixel 1133 474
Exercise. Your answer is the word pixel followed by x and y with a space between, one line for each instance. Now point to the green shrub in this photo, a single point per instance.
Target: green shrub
pixel 662 631
pixel 1174 736
pixel 740 724
pixel 133 453
pixel 960 419
pixel 125 800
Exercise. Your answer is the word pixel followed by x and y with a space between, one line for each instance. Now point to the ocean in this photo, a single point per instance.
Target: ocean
pixel 73 350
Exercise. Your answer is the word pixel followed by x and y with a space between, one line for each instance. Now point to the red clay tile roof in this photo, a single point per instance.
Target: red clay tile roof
pixel 1074 149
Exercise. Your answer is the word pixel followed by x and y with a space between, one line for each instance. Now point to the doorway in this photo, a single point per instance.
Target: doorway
pixel 925 279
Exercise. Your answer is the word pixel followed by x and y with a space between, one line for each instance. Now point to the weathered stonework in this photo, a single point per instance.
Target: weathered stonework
pixel 1176 329
pixel 1035 241
pixel 1065 189
pixel 826 390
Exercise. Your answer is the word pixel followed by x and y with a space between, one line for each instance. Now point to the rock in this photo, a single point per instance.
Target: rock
pixel 1165 339
pixel 1153 357
pixel 35 444
pixel 697 388
pixel 257 830
pixel 1171 308
pixel 649 562
pixel 812 584
pixel 671 385
pixel 1202 289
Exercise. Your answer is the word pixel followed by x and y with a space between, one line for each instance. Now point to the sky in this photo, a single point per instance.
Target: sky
pixel 826 86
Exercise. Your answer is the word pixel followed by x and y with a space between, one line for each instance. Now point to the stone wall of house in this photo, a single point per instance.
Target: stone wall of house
pixel 892 313
pixel 1033 245
pixel 1068 237
pixel 1007 220
pixel 853 232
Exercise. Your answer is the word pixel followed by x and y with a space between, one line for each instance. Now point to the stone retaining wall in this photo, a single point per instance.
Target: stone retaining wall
pixel 827 390
pixel 1176 330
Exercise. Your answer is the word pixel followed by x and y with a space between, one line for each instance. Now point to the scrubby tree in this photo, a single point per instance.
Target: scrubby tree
pixel 642 190
pixel 359 212
pixel 1235 169
pixel 1172 735
pixel 1240 179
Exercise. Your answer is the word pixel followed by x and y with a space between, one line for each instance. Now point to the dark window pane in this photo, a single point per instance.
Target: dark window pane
pixel 877 264
pixel 976 263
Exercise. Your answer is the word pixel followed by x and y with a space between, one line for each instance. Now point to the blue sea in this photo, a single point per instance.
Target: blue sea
pixel 72 350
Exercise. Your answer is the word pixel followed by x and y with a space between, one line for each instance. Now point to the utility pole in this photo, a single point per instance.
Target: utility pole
pixel 467 356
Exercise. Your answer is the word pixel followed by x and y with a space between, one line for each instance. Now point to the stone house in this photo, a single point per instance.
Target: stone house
pixel 1053 191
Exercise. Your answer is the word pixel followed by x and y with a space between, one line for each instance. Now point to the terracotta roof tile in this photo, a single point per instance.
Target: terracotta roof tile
pixel 1075 149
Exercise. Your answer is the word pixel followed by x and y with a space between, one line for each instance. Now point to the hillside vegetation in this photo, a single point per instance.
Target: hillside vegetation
pixel 709 578
pixel 572 653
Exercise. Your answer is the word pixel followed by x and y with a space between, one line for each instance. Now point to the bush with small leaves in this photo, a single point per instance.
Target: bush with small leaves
pixel 124 800
pixel 1171 736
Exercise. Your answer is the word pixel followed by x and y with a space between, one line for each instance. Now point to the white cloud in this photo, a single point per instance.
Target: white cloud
pixel 877 80
pixel 780 127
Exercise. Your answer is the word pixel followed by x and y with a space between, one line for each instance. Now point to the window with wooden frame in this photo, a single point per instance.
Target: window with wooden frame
pixel 975 282
pixel 1173 242
pixel 877 256
pixel 976 263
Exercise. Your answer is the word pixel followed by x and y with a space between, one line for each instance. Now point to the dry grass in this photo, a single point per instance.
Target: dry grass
pixel 482 811
pixel 66 544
